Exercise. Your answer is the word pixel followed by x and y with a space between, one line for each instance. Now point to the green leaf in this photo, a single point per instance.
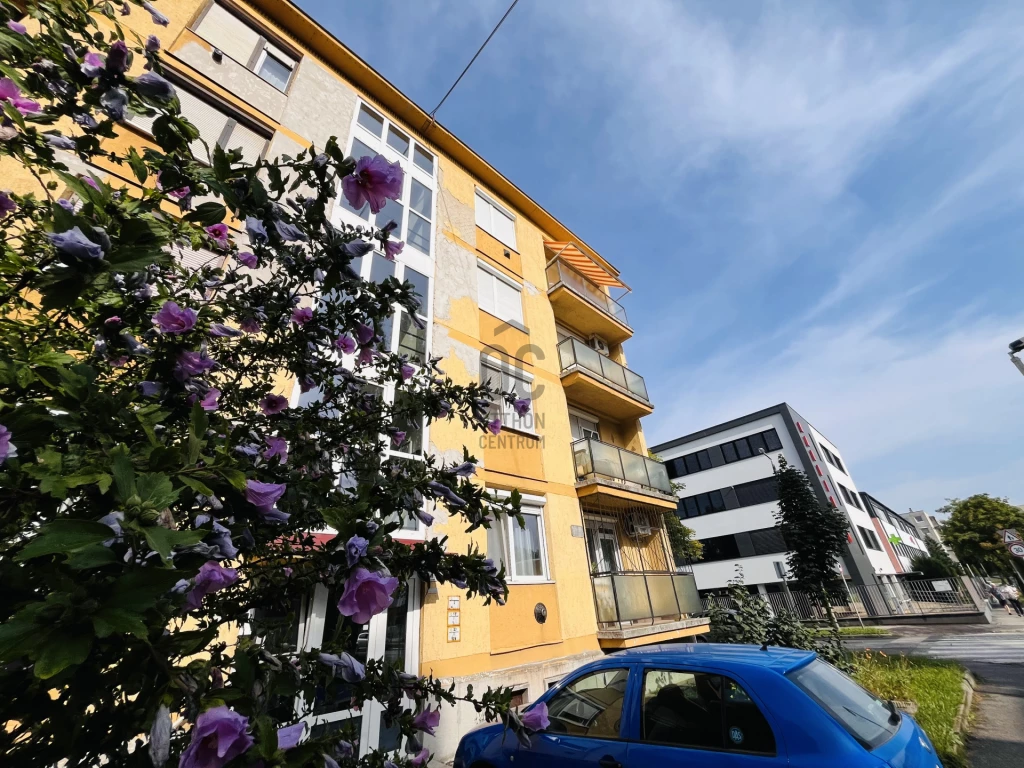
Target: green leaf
pixel 163 540
pixel 109 620
pixel 64 536
pixel 62 651
pixel 20 634
pixel 208 213
pixel 95 556
pixel 88 478
pixel 236 477
pixel 197 432
pixel 138 166
pixel 157 489
pixel 196 485
pixel 140 589
pixel 52 359
pixel 124 473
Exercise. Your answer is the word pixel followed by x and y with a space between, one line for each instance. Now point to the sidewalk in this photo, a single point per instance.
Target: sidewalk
pixel 997 737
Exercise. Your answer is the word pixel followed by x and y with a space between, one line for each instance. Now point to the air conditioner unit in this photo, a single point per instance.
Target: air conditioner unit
pixel 595 342
pixel 637 526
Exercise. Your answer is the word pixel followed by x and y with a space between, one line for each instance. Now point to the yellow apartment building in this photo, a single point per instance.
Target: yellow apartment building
pixel 510 294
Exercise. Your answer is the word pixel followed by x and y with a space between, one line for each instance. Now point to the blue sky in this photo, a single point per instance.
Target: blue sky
pixel 813 202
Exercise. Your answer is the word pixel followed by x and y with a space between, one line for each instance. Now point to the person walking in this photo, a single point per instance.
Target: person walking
pixel 1012 595
pixel 994 591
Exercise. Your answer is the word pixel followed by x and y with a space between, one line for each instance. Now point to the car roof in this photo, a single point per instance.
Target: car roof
pixel 781 660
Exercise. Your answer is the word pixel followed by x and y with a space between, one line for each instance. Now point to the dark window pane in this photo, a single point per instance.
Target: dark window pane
pixel 746 548
pixel 398 141
pixel 717 504
pixel 682 708
pixel 675 467
pixel 742 448
pixel 420 285
pixel 768 541
pixel 757 492
pixel 746 729
pixel 412 340
pixel 720 548
pixel 729 452
pixel 691 506
pixel 756 444
pixel 729 496
pixel 704 503
pixel 692 465
pixel 704 459
pixel 771 439
pixel 419 233
pixel 715 452
pixel 421 200
pixel 381 269
pixel 423 159
pixel 275 72
pixel 371 121
pixel 413 427
pixel 590 705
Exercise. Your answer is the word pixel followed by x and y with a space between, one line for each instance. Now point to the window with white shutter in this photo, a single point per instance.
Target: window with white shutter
pixel 495 220
pixel 499 296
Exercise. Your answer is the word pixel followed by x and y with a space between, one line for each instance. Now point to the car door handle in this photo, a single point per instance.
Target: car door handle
pixel 609 762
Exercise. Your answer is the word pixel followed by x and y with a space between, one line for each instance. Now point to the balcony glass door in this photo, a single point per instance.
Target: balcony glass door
pixel 602 546
pixel 583 428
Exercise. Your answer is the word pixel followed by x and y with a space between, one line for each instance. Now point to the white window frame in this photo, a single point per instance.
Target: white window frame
pixel 271 50
pixel 530 505
pixel 491 229
pixel 498 275
pixel 509 418
pixel 264 46
pixel 578 414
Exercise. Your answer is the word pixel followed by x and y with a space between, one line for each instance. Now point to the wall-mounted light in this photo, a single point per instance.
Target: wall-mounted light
pixel 218 55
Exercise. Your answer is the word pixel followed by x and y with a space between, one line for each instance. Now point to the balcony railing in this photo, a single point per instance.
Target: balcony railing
pixel 630 598
pixel 574 354
pixel 602 461
pixel 557 272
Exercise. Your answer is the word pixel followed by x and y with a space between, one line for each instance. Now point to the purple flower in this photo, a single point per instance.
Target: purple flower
pixel 66 204
pixel 224 331
pixel 7 205
pixel 276 446
pixel 212 577
pixel 114 101
pixel 85 120
pixel 345 344
pixel 7 449
pixel 178 193
pixel 171 318
pixel 150 388
pixel 392 248
pixel 153 86
pixel 366 594
pixel 117 57
pixel 57 141
pixel 75 243
pixel 521 406
pixel 10 92
pixel 302 315
pixel 355 549
pixel 209 401
pixel 494 426
pixel 446 493
pixel 219 234
pixel 15 26
pixel 221 538
pixel 152 44
pixel 427 720
pixel 263 496
pixel 250 325
pixel 374 181
pixel 444 408
pixel 93 65
pixel 536 718
pixel 289 736
pixel 257 232
pixel 126 9
pixel 248 259
pixel 289 232
pixel 420 758
pixel 357 248
pixel 366 356
pixel 344 664
pixel 371 527
pixel 274 515
pixel 158 18
pixel 193 364
pixel 407 371
pixel 272 404
pixel 364 334
pixel 465 469
pixel 218 737
pixel 398 437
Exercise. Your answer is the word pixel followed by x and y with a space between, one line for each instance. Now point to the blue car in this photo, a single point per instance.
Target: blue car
pixel 706 705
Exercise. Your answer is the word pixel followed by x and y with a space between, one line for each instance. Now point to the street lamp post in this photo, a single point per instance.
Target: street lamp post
pixel 1016 346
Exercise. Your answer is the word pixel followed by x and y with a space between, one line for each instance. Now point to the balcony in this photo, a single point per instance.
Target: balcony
pixel 600 384
pixel 584 305
pixel 605 469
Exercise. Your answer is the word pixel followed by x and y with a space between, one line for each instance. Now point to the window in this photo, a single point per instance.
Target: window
pixel 412 336
pixel 499 296
pixel 870 540
pixel 495 220
pixel 702 711
pixel 238 40
pixel 522 550
pixel 582 428
pixel 602 545
pixel 502 376
pixel 731 497
pixel 757 492
pixel 590 705
pixel 215 127
pixel 724 453
pixel 862 714
pixel 765 541
pixel 852 497
pixel 413 212
pixel 832 459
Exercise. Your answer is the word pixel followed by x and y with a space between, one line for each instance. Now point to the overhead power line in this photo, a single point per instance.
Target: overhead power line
pixel 479 51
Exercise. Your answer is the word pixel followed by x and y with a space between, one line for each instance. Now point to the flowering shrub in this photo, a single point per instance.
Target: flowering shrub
pixel 155 489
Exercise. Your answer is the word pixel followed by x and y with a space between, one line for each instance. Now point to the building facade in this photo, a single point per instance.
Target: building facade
pixel 927 528
pixel 899 538
pixel 510 295
pixel 730 497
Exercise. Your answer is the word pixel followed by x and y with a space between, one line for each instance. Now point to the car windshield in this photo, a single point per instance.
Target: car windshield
pixel 866 717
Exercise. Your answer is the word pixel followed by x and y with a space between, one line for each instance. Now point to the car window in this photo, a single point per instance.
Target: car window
pixel 590 705
pixel 702 711
pixel 865 716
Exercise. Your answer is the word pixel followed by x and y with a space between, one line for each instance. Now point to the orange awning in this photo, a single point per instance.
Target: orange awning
pixel 582 263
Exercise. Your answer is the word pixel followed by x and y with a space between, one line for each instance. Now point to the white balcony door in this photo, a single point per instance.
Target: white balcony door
pixel 583 427
pixel 602 546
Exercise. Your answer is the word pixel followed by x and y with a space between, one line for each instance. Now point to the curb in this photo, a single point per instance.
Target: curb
pixel 963 713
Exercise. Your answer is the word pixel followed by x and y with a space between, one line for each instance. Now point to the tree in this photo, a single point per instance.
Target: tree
pixel 815 535
pixel 685 547
pixel 972 530
pixel 156 487
pixel 937 563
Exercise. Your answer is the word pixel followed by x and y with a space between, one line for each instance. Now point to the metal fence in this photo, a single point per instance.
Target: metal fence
pixel 905 598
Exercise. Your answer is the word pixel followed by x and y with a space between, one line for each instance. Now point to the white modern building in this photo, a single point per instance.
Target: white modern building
pixel 899 538
pixel 927 528
pixel 730 498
